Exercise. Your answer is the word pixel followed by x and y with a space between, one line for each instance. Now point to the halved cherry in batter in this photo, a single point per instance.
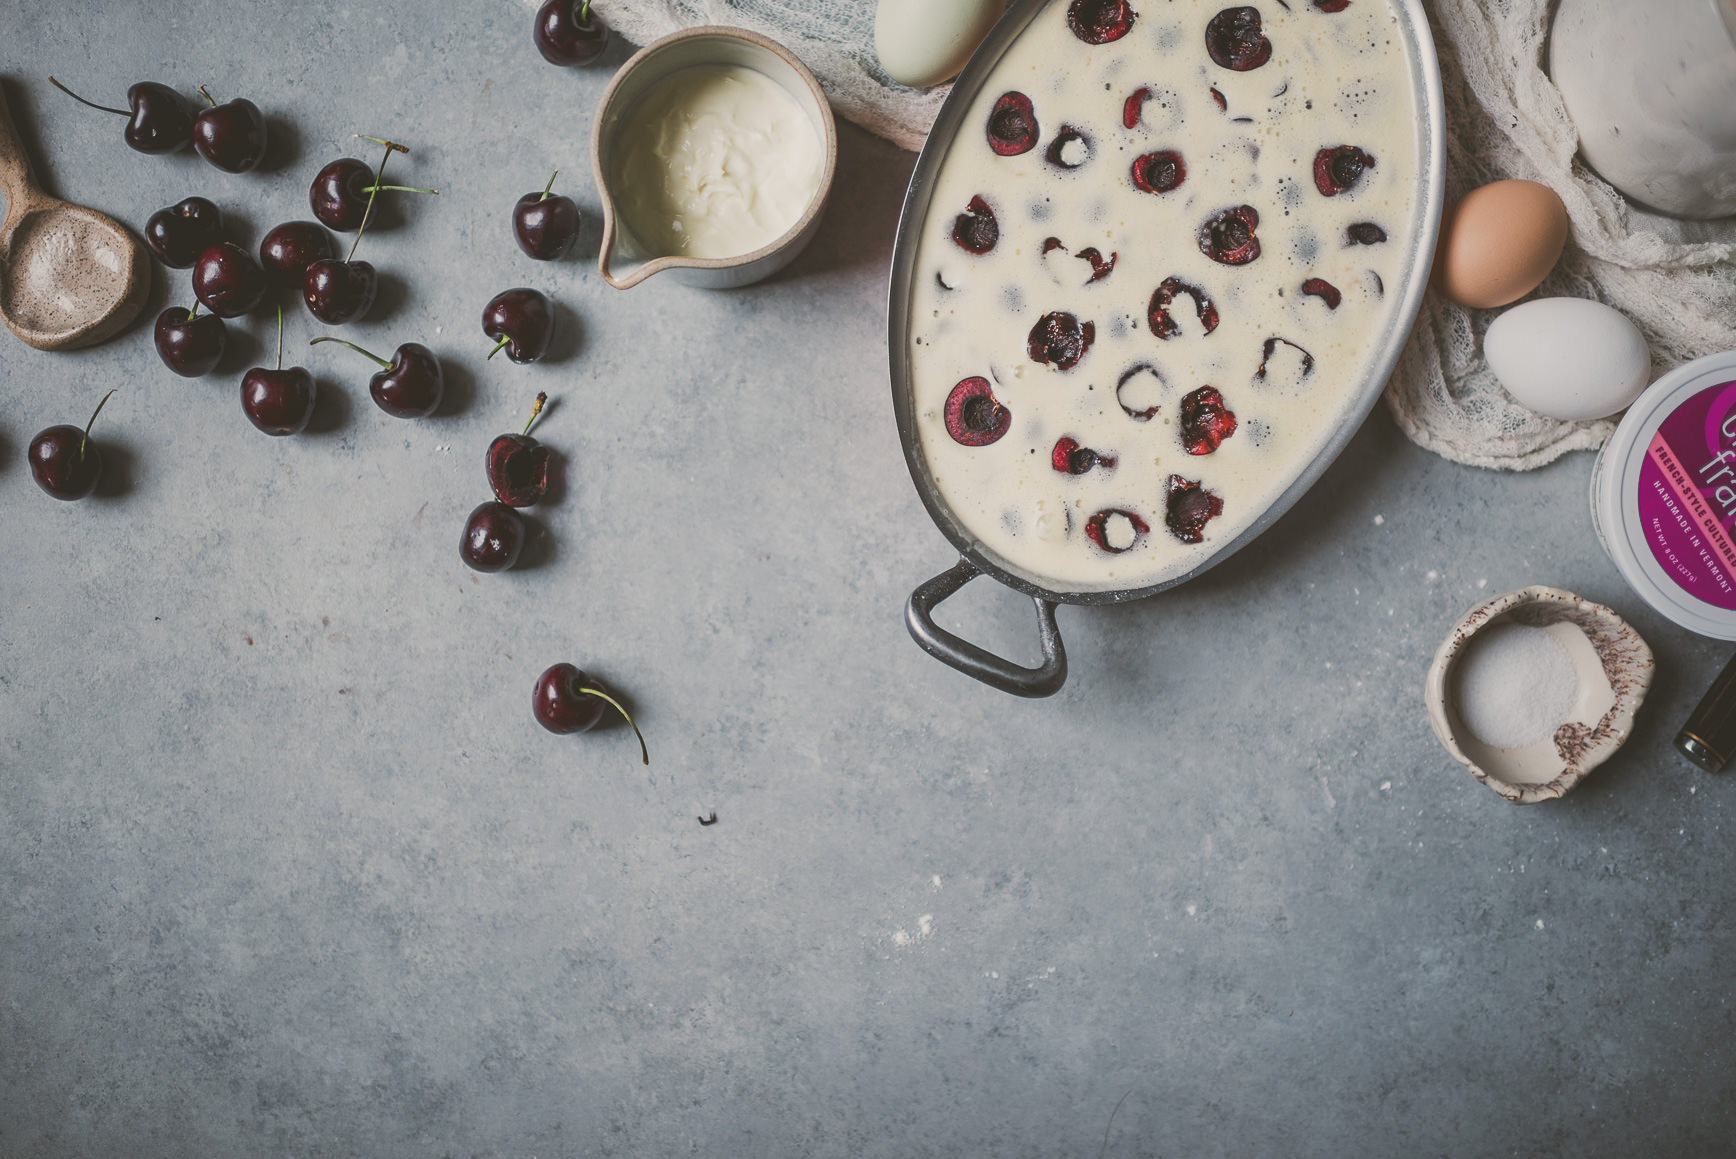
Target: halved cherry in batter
pixel 1100 269
pixel 1013 125
pixel 1158 172
pixel 1205 421
pixel 1149 388
pixel 1157 314
pixel 1271 345
pixel 1133 106
pixel 1234 39
pixel 1100 21
pixel 1365 233
pixel 1228 237
pixel 1190 508
pixel 1324 290
pixel 1332 5
pixel 1069 150
pixel 1069 458
pixel 1339 168
pixel 1116 529
pixel 1060 339
pixel 974 417
pixel 975 230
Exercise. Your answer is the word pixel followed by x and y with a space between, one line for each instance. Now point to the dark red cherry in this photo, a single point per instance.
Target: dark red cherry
pixel 1205 421
pixel 1100 269
pixel 1332 5
pixel 1116 529
pixel 278 402
pixel 1158 172
pixel 1324 290
pixel 566 700
pixel 1234 39
pixel 1189 508
pixel 1228 237
pixel 493 537
pixel 568 33
pixel 517 465
pixel 63 460
pixel 1364 233
pixel 1340 168
pixel 545 226
pixel 974 417
pixel 1099 21
pixel 1272 344
pixel 228 280
pixel 1133 106
pixel 1069 458
pixel 288 250
pixel 975 230
pixel 1157 314
pixel 339 196
pixel 1060 339
pixel 338 292
pixel 179 234
pixel 232 135
pixel 410 386
pixel 160 121
pixel 522 321
pixel 1013 125
pixel 189 343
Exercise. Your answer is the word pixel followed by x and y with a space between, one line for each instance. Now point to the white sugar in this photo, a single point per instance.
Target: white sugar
pixel 1515 685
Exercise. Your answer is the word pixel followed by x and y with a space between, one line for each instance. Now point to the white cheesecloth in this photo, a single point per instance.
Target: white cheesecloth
pixel 1504 119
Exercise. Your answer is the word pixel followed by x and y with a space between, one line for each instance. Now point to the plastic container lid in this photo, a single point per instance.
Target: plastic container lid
pixel 1663 496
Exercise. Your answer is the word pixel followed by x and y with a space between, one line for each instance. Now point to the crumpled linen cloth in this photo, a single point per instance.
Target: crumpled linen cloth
pixel 1674 280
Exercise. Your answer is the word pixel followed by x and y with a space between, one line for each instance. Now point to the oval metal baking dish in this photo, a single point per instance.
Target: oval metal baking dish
pixel 1412 30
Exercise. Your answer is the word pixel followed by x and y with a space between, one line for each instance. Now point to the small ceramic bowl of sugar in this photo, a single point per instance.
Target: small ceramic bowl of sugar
pixel 1534 689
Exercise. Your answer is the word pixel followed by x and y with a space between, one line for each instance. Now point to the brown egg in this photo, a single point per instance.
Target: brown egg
pixel 1499 242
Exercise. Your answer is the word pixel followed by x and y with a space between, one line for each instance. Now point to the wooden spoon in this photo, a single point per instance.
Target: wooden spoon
pixel 69 276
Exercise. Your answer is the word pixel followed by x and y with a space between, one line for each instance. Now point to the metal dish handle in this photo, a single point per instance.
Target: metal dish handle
pixel 980 663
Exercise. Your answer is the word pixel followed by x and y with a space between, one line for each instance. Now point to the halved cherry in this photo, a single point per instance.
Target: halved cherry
pixel 1070 148
pixel 1100 269
pixel 1365 233
pixel 1235 41
pixel 1339 168
pixel 1013 125
pixel 1100 21
pixel 1228 237
pixel 1324 290
pixel 975 230
pixel 1116 529
pixel 1131 376
pixel 1157 314
pixel 1133 106
pixel 1069 458
pixel 1219 100
pixel 1158 172
pixel 974 417
pixel 1190 508
pixel 1060 339
pixel 1332 5
pixel 1205 421
pixel 1272 344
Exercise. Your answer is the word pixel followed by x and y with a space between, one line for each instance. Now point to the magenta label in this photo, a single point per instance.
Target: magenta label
pixel 1687 496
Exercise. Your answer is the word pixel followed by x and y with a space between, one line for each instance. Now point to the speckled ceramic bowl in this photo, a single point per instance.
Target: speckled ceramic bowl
pixel 1614 667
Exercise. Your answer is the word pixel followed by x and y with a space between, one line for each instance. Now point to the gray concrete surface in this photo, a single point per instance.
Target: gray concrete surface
pixel 287 868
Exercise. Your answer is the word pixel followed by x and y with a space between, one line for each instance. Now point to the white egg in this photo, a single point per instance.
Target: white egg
pixel 923 42
pixel 1568 358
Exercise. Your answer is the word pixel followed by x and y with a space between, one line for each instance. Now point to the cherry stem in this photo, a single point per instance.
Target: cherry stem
pixel 535 409
pixel 644 753
pixel 391 146
pixel 395 189
pixel 585 15
pixel 550 185
pixel 194 312
pixel 207 96
pixel 280 336
pixel 82 101
pixel 497 347
pixel 378 361
pixel 368 210
pixel 86 439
